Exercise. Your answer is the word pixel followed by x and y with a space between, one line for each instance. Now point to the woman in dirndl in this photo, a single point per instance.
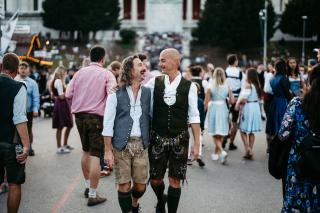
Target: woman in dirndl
pixel 61 117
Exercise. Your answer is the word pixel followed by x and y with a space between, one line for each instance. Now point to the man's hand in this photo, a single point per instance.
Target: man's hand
pixel 35 114
pixel 109 158
pixel 195 152
pixel 22 158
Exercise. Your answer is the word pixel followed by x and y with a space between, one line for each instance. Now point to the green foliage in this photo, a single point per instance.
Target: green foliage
pixel 233 23
pixel 82 15
pixel 291 21
pixel 127 35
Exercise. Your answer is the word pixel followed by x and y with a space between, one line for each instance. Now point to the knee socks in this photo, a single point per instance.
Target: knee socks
pixel 173 199
pixel 158 190
pixel 125 201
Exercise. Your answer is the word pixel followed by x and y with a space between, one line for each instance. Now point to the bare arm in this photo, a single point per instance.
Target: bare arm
pixel 207 99
pixel 232 100
pixel 108 156
pixel 24 136
pixel 196 133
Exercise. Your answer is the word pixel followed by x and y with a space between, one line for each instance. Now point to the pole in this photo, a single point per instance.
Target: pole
pixel 265 35
pixel 304 18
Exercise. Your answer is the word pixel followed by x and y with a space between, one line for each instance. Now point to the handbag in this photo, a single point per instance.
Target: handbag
pixel 278 157
pixel 308 164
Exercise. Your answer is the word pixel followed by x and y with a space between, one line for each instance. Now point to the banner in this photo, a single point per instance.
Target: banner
pixel 2 9
pixel 7 31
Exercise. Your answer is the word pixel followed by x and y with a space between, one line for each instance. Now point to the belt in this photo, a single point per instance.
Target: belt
pixel 135 138
pixel 169 141
pixel 252 101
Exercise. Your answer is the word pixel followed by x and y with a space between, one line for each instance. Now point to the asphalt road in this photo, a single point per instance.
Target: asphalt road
pixel 55 184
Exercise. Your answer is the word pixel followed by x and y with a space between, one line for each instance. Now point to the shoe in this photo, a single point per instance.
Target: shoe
pixel 224 142
pixel 189 162
pixel 214 157
pixel 161 207
pixel 223 157
pixel 4 188
pixel 31 152
pixel 69 147
pixel 104 173
pixel 200 162
pixel 248 156
pixel 62 150
pixel 232 147
pixel 86 193
pixel 136 209
pixel 96 200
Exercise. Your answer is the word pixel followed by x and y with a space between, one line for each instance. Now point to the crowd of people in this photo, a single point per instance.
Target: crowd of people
pixel 142 124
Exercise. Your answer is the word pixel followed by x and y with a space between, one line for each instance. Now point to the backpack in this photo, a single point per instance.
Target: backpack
pixel 308 164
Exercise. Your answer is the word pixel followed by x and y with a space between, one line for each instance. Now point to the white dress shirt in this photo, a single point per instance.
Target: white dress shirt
pixel 111 110
pixel 169 96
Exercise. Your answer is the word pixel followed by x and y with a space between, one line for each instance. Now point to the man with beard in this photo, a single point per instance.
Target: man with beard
pixel 126 134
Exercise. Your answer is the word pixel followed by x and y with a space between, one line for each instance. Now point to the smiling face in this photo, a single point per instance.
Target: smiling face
pixel 169 61
pixel 138 70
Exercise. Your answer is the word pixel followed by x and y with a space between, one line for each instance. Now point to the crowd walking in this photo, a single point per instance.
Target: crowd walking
pixel 147 127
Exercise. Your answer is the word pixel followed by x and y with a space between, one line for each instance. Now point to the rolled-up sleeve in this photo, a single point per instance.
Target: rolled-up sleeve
pixel 35 97
pixel 109 115
pixel 20 106
pixel 193 112
pixel 70 88
pixel 111 82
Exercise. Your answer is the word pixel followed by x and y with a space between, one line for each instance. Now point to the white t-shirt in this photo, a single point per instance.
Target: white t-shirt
pixel 59 87
pixel 267 86
pixel 233 79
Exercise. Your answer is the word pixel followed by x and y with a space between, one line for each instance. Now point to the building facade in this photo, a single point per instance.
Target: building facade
pixel 142 15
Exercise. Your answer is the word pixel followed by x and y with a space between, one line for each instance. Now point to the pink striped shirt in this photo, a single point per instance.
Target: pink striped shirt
pixel 89 89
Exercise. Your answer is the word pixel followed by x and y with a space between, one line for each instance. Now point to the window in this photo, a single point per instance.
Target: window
pixel 126 9
pixel 35 5
pixel 141 9
pixel 196 9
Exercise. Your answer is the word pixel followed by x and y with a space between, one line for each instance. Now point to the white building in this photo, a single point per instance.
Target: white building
pixel 143 15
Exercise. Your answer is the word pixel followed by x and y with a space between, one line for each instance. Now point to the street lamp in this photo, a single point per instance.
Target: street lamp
pixel 304 19
pixel 264 16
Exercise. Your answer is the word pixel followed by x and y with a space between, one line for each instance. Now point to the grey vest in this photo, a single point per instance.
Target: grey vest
pixel 123 121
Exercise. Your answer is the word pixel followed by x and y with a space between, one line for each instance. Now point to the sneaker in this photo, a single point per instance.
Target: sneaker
pixel 62 150
pixel 136 209
pixel 69 147
pixel 96 200
pixel 86 193
pixel 223 157
pixel 31 152
pixel 200 162
pixel 104 173
pixel 161 206
pixel 232 147
pixel 214 157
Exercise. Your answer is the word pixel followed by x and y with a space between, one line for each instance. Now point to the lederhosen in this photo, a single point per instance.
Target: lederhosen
pixel 169 133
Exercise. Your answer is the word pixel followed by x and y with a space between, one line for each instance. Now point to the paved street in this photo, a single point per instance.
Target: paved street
pixel 54 182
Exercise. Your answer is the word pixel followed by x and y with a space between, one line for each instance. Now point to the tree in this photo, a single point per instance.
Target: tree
pixel 291 20
pixel 81 15
pixel 233 23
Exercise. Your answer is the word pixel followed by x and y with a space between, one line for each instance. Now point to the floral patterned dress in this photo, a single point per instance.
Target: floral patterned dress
pixel 301 195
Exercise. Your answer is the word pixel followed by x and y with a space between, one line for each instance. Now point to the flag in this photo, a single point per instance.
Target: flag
pixel 7 31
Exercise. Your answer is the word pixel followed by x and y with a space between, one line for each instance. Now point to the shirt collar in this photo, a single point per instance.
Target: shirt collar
pixel 175 82
pixel 95 63
pixel 5 75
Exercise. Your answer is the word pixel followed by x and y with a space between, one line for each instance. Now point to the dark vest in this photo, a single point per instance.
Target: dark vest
pixel 9 88
pixel 201 93
pixel 170 121
pixel 123 121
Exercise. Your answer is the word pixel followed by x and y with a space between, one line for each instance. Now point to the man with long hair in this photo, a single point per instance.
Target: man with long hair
pixel 126 134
